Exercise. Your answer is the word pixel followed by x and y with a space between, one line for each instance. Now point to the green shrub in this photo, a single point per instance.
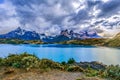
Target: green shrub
pixel 113 72
pixel 25 54
pixel 71 61
pixel 75 68
pixel 63 63
pixel 20 61
pixel 30 62
pixel 91 72
pixel 12 55
pixel 78 79
pixel 1 59
pixel 9 61
pixel 16 65
pixel 45 63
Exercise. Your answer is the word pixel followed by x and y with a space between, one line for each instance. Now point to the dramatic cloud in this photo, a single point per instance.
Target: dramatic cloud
pixel 8 18
pixel 51 16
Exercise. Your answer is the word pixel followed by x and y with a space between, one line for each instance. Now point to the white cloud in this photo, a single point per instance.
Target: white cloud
pixel 8 25
pixel 105 1
pixel 8 19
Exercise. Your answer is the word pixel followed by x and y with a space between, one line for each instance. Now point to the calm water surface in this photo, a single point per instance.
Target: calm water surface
pixel 61 53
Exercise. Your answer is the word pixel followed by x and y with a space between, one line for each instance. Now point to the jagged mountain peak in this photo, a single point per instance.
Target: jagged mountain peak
pixel 18 28
pixel 20 33
pixel 71 35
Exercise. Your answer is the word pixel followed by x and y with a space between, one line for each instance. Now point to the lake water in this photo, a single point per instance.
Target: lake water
pixel 59 53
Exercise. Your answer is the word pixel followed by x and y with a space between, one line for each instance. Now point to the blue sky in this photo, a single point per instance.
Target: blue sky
pixel 52 16
pixel 1 1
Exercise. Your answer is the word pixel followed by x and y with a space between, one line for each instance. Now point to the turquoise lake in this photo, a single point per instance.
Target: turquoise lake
pixel 59 53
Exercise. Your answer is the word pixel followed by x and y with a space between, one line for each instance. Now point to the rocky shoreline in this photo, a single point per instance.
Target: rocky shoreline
pixel 94 65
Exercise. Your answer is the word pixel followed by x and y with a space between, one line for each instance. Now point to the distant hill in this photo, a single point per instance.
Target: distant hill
pixel 114 42
pixel 91 41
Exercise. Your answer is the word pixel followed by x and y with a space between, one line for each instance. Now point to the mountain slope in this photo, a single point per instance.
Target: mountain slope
pixel 21 34
pixel 114 42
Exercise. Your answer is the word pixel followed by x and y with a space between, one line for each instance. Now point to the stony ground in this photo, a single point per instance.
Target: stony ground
pixel 19 74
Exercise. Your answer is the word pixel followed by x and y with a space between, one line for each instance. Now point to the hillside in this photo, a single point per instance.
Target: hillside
pixel 92 41
pixel 114 42
pixel 18 41
pixel 29 67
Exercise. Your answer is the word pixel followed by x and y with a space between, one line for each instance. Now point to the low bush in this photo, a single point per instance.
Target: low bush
pixel 45 63
pixel 112 72
pixel 1 60
pixel 91 72
pixel 71 61
pixel 10 60
pixel 63 63
pixel 20 61
pixel 30 62
pixel 75 68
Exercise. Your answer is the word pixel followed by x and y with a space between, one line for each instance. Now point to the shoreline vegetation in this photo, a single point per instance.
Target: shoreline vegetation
pixel 92 42
pixel 28 63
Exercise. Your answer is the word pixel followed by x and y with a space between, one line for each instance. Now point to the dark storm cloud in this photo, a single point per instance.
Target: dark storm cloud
pixel 92 3
pixel 81 15
pixel 110 8
pixel 107 8
pixel 27 9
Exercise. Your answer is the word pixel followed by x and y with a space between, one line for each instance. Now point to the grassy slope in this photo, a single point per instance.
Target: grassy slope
pixel 17 41
pixel 77 42
pixel 114 42
pixel 96 42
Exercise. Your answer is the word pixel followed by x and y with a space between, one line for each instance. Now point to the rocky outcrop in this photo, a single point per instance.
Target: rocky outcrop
pixel 94 65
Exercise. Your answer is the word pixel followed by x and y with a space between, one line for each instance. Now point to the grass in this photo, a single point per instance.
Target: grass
pixel 78 42
pixel 18 41
pixel 111 72
pixel 92 41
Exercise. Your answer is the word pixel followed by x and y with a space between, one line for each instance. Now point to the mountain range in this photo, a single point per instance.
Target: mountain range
pixel 64 35
pixel 21 34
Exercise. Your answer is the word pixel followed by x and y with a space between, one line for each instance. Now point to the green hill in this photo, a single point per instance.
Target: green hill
pixel 92 41
pixel 114 42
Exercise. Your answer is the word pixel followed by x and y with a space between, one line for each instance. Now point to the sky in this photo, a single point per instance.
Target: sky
pixel 52 16
pixel 1 1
